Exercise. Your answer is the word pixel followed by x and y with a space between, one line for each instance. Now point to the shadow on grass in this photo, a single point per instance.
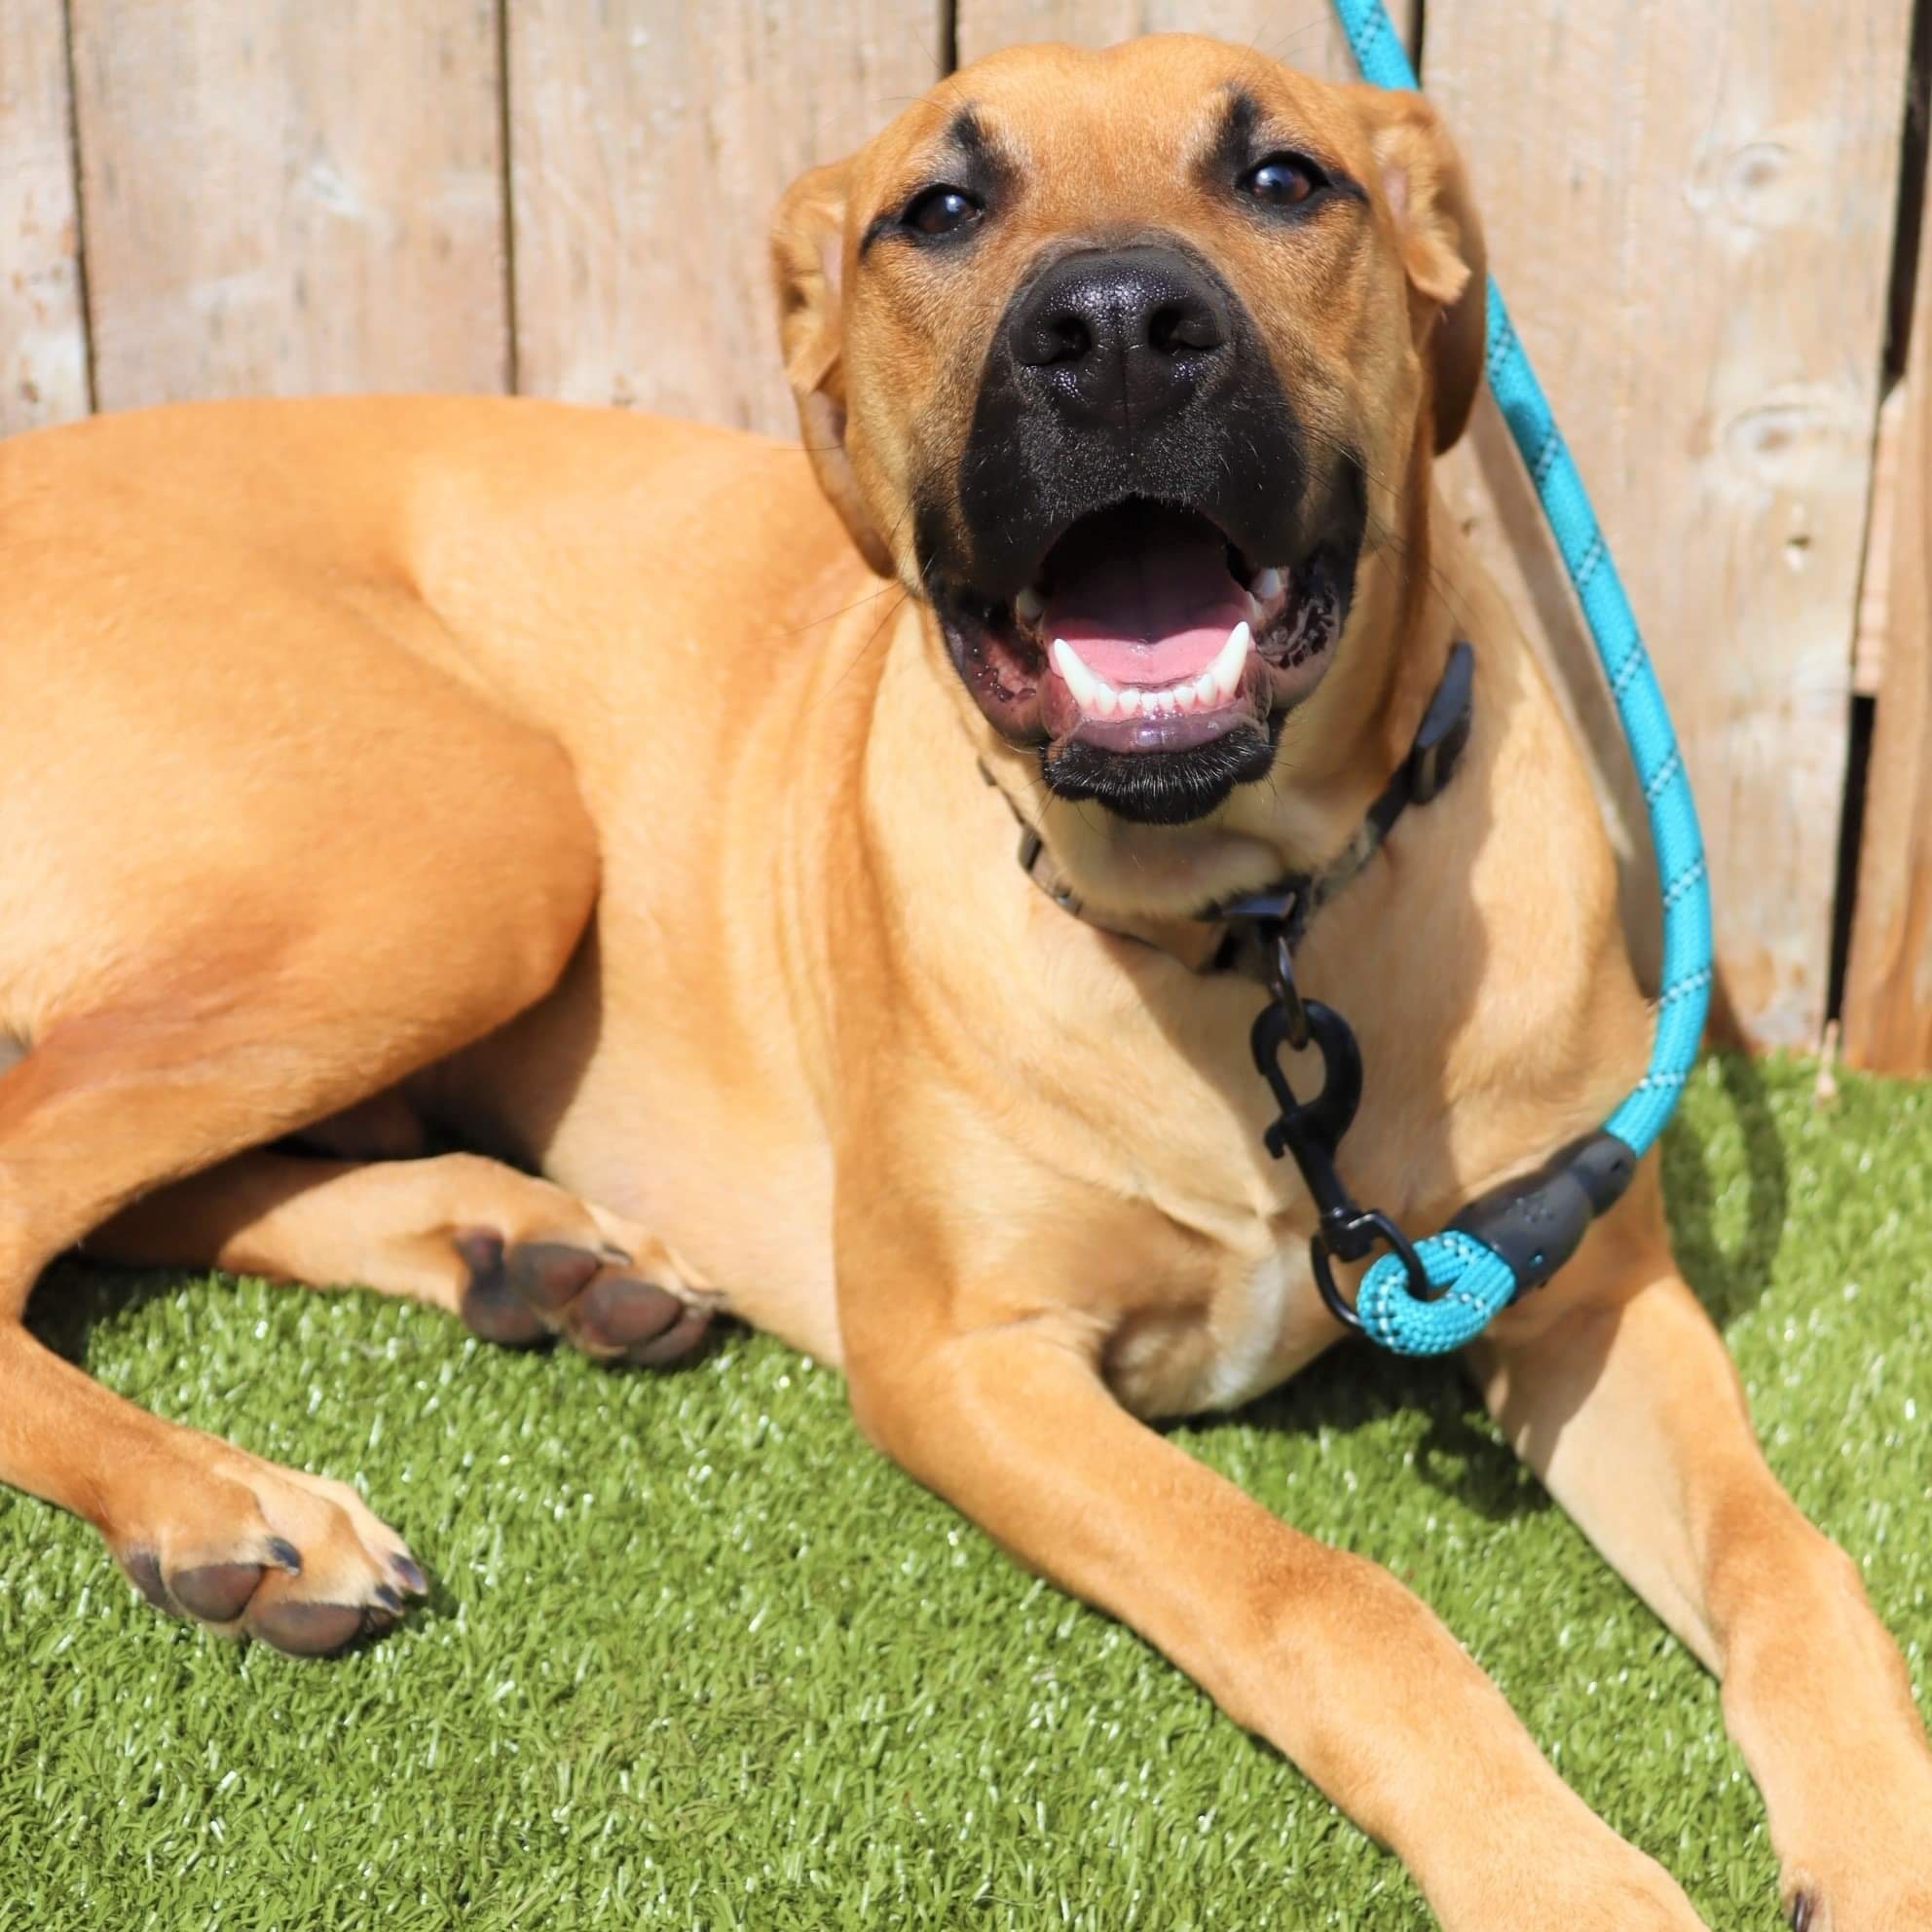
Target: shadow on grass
pixel 1356 1387
pixel 1729 1282
pixel 74 1295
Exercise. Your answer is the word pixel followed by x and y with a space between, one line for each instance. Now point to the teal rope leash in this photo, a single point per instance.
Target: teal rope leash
pixel 1472 1281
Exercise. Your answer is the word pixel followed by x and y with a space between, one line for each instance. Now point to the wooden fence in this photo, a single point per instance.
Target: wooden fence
pixel 1693 204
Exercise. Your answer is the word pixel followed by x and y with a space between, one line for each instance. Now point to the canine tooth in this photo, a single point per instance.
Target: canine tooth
pixel 1267 584
pixel 1254 607
pixel 1029 606
pixel 1224 674
pixel 1079 680
pixel 1090 692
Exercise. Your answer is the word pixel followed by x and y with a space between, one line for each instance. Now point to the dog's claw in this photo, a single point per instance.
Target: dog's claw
pixel 285 1553
pixel 413 1578
pixel 1804 1907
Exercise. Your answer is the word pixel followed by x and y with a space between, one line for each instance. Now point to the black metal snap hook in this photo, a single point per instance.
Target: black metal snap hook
pixel 1351 1241
pixel 1313 1127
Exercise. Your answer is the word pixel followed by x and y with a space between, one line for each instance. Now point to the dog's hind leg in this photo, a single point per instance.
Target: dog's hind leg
pixel 323 983
pixel 517 1258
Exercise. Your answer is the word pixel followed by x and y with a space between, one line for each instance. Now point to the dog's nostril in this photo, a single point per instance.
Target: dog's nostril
pixel 1120 337
pixel 1059 336
pixel 1071 336
pixel 1177 326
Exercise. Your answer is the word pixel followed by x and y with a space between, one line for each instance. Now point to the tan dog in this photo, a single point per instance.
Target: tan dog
pixel 569 782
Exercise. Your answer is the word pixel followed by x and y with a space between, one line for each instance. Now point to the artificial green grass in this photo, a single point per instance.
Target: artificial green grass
pixel 697 1657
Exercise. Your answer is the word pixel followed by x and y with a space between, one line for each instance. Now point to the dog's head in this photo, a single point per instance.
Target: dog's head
pixel 1108 358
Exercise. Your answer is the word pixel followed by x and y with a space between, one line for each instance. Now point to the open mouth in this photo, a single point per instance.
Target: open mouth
pixel 1147 633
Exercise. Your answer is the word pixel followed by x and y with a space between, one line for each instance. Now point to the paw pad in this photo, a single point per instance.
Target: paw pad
pixel 519 1295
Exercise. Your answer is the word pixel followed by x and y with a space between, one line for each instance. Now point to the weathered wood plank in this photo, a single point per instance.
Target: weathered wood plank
pixel 1689 207
pixel 1888 979
pixel 43 332
pixel 281 196
pixel 1304 36
pixel 650 142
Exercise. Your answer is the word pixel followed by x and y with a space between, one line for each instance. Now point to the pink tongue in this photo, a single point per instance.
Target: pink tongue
pixel 1145 603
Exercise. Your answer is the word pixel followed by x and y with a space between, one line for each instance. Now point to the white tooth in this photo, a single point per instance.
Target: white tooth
pixel 1079 680
pixel 1230 661
pixel 1029 606
pixel 1131 698
pixel 1207 690
pixel 1090 692
pixel 1267 584
pixel 1254 607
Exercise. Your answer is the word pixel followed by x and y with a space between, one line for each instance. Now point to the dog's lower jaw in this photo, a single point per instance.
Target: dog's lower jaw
pixel 1169 788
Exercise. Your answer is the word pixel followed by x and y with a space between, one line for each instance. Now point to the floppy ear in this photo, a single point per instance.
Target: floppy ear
pixel 807 261
pixel 1442 248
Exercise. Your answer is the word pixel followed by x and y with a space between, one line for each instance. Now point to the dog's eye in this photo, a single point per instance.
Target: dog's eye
pixel 941 210
pixel 1282 180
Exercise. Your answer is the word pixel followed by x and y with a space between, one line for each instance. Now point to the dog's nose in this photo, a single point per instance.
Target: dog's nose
pixel 1120 337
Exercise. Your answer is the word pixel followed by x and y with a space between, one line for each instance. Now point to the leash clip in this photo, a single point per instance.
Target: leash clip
pixel 1278 916
pixel 1309 1130
pixel 1277 967
pixel 1353 1240
pixel 1312 1131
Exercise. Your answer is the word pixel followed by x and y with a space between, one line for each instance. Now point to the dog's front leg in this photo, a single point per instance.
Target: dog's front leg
pixel 1615 1386
pixel 1322 1652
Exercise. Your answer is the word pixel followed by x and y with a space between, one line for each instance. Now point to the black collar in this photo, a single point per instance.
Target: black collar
pixel 1244 934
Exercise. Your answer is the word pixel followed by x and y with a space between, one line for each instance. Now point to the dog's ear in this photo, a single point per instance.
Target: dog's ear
pixel 1442 248
pixel 807 262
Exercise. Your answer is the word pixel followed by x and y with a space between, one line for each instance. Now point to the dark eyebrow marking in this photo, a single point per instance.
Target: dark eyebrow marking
pixel 966 155
pixel 1241 133
pixel 967 133
pixel 1234 145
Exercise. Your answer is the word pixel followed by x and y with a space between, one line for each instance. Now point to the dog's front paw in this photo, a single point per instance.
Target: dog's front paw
pixel 1579 1889
pixel 252 1550
pixel 1881 1897
pixel 1864 1863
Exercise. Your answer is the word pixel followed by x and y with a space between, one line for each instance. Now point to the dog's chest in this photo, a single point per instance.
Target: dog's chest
pixel 1260 1322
